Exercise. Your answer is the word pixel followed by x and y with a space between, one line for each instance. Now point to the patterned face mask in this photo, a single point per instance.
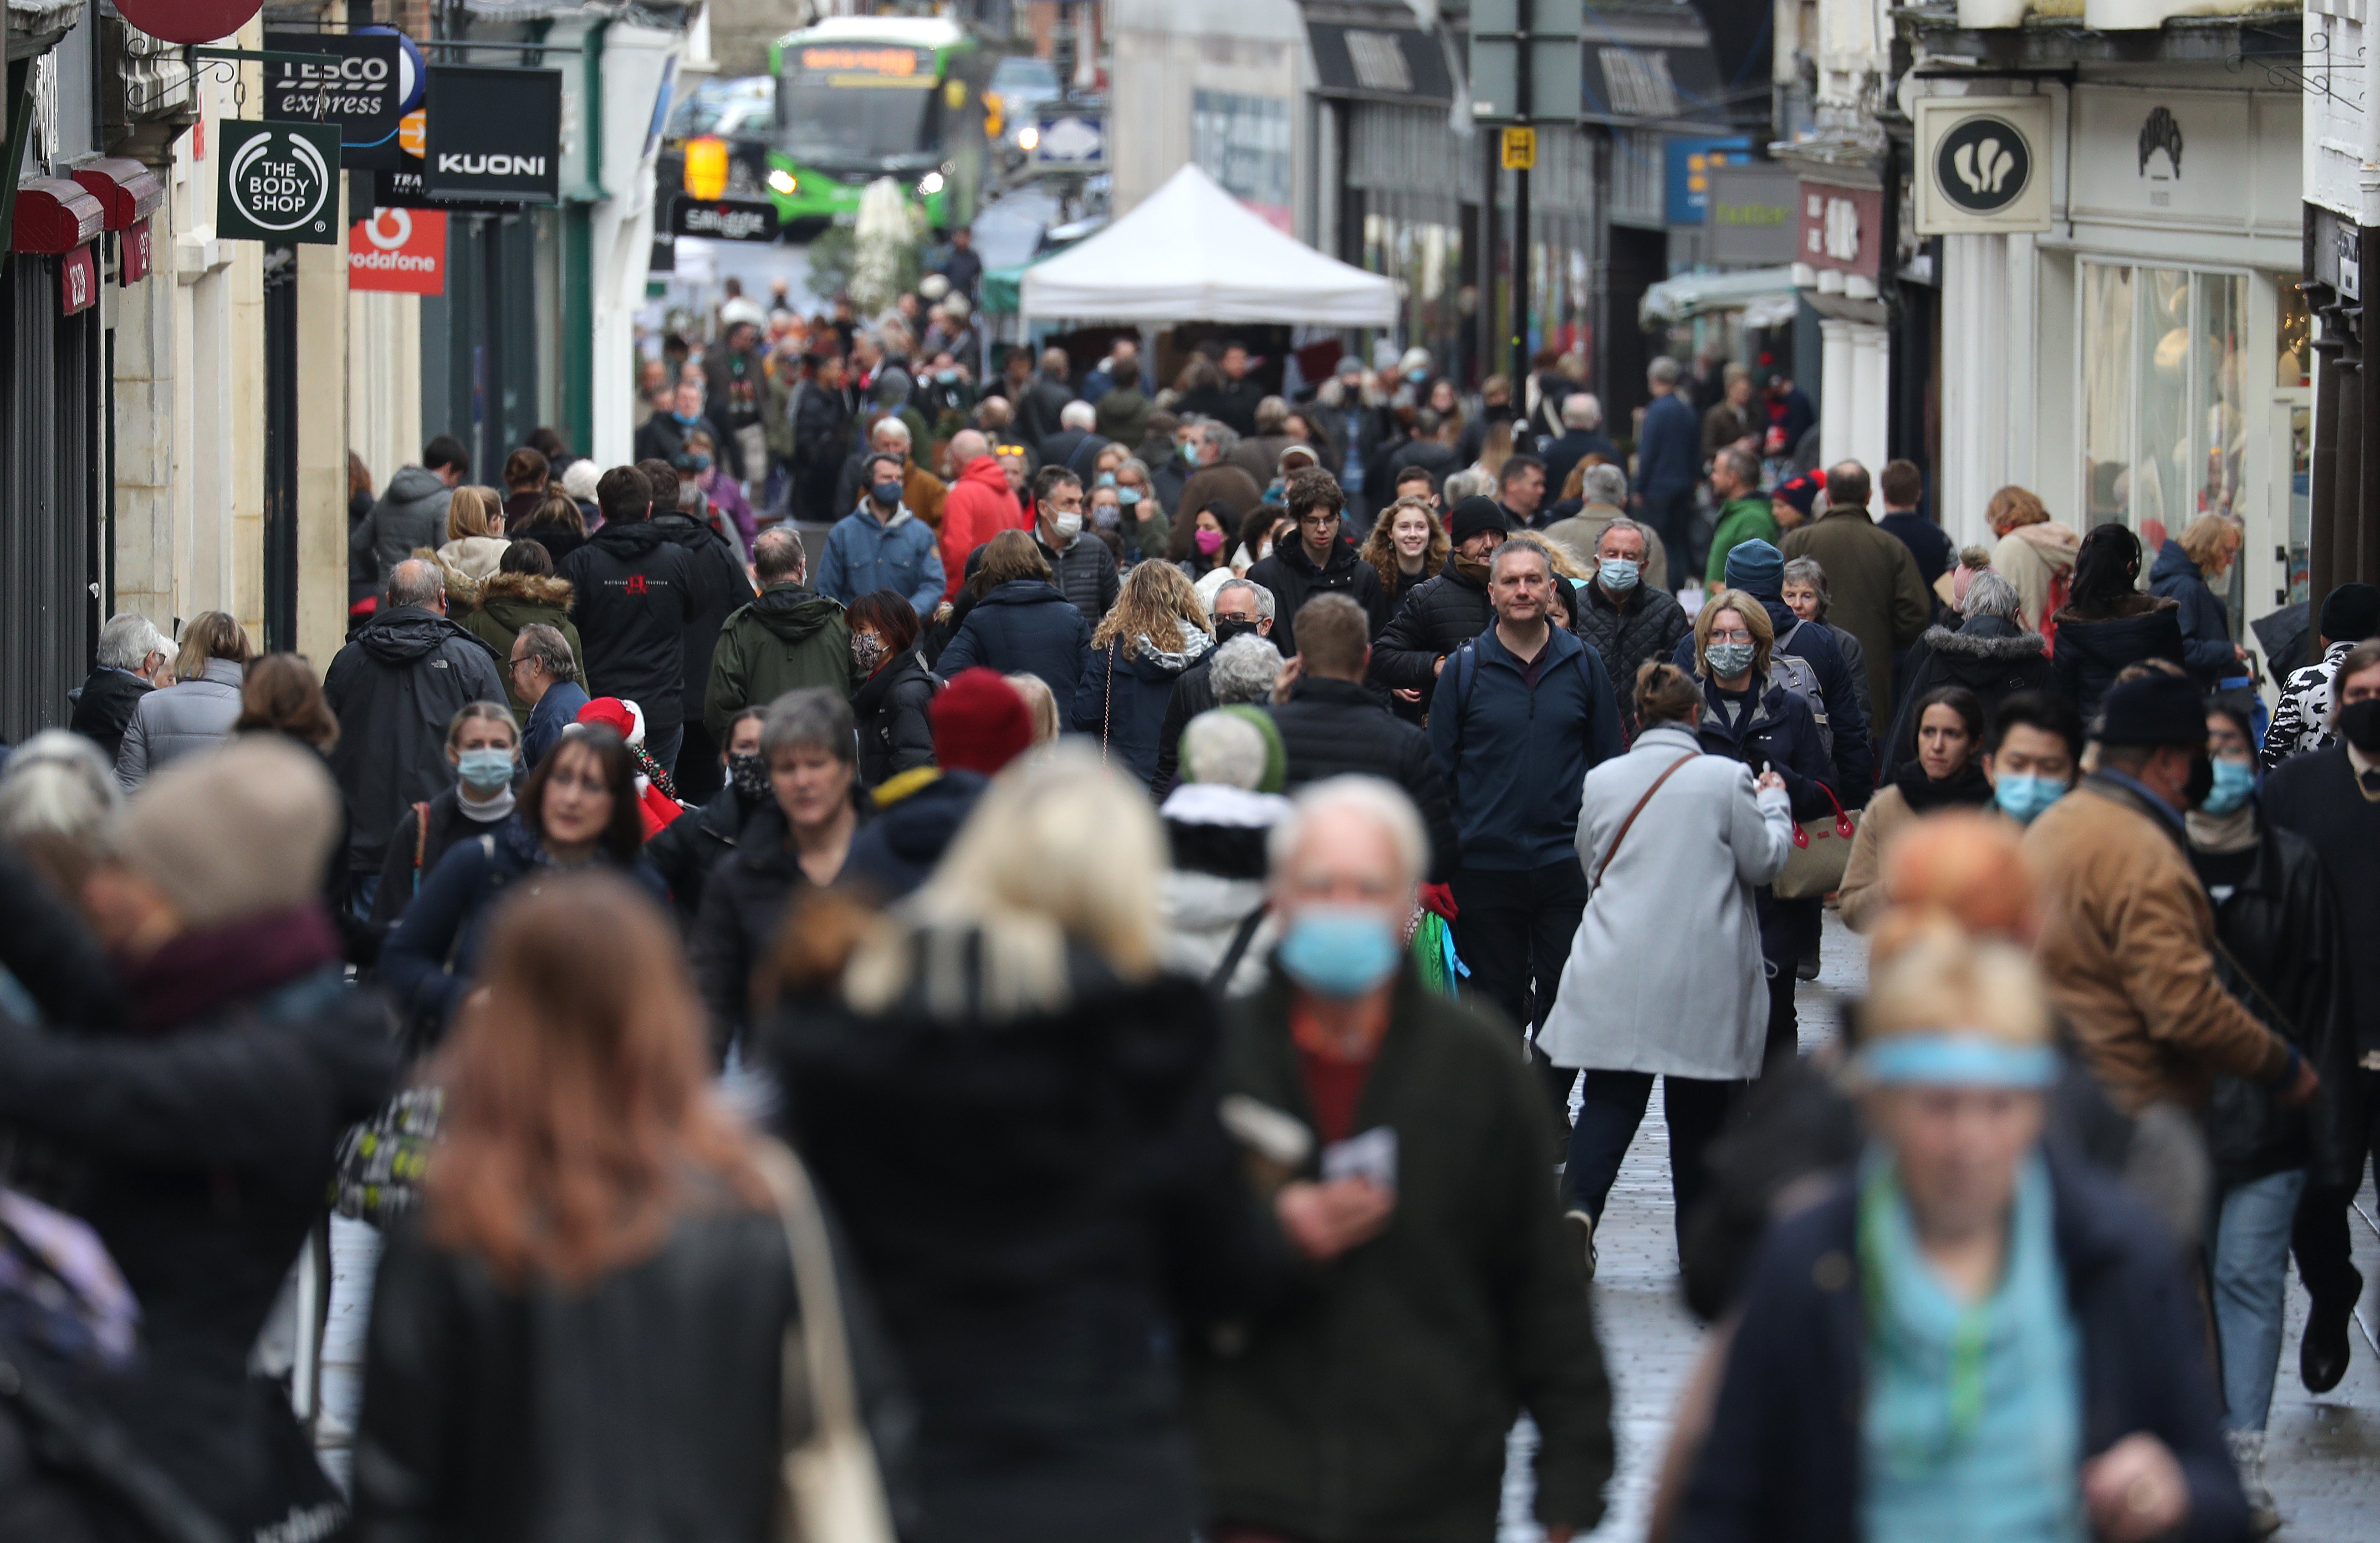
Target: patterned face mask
pixel 867 651
pixel 749 772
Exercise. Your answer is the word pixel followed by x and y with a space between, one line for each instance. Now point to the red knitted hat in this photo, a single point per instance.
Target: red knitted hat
pixel 980 723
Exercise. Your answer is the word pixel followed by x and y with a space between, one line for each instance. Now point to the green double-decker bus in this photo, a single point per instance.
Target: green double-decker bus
pixel 860 98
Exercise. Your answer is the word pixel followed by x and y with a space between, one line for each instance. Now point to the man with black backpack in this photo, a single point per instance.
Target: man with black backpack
pixel 636 592
pixel 1522 713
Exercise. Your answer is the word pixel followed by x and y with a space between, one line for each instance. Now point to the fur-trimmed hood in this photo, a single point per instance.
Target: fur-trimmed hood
pixel 529 589
pixel 1998 642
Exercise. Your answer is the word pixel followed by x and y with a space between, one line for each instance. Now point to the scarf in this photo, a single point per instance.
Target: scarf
pixel 651 770
pixel 495 812
pixel 1965 788
pixel 2235 832
pixel 198 972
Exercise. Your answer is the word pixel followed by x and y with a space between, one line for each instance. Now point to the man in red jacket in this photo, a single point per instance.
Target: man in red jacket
pixel 978 508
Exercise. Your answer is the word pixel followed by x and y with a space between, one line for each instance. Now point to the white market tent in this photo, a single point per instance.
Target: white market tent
pixel 1192 252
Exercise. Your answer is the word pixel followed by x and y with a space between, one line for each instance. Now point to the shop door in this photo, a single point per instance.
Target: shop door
pixel 49 512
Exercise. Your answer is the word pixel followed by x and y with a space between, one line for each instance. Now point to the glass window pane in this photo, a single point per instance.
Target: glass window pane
pixel 2222 415
pixel 2106 391
pixel 2300 501
pixel 2296 336
pixel 2162 481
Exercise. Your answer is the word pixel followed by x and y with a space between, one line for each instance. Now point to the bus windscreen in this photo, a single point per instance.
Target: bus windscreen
pixel 860 102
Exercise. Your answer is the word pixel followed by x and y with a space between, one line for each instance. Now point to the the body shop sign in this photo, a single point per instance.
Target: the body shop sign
pixel 398 251
pixel 280 182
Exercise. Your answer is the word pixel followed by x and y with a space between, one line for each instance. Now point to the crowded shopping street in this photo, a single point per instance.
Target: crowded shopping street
pixel 1283 771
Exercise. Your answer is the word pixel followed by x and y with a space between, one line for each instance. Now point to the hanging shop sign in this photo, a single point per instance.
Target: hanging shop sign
pixel 78 281
pixel 1752 213
pixel 1841 228
pixel 493 134
pixel 398 251
pixel 132 256
pixel 355 80
pixel 189 21
pixel 725 219
pixel 280 182
pixel 128 193
pixel 1982 165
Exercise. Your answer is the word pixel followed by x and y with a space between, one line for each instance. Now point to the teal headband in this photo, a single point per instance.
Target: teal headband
pixel 1954 1058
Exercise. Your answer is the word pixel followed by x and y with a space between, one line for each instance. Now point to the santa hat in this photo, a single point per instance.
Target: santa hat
pixel 622 717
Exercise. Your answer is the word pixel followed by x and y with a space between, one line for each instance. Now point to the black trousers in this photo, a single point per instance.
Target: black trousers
pixel 1514 929
pixel 1784 1023
pixel 2320 1235
pixel 1611 1105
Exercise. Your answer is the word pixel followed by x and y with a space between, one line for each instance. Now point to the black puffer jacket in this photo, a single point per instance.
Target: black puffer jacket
pixel 2092 650
pixel 720 586
pixel 208 1138
pixel 1440 616
pixel 1645 623
pixel 1331 728
pixel 2280 922
pixel 1989 655
pixel 1293 579
pixel 478 1420
pixel 1084 572
pixel 105 708
pixel 395 686
pixel 894 734
pixel 637 589
pixel 688 847
pixel 1036 1289
pixel 1193 693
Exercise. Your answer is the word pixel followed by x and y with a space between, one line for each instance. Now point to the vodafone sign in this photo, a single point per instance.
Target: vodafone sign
pixel 189 21
pixel 398 251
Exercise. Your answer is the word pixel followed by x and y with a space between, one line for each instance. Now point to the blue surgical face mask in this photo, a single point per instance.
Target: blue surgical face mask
pixel 1338 951
pixel 946 377
pixel 1107 480
pixel 485 771
pixel 689 419
pixel 2234 781
pixel 1128 496
pixel 1416 376
pixel 1728 660
pixel 1619 574
pixel 2022 797
pixel 702 462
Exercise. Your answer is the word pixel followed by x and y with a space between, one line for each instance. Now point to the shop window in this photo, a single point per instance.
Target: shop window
pixel 2165 420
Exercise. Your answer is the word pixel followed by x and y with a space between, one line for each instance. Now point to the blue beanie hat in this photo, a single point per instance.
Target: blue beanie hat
pixel 1757 570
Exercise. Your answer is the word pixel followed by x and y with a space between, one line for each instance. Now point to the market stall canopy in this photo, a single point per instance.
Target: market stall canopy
pixel 1192 252
pixel 1766 296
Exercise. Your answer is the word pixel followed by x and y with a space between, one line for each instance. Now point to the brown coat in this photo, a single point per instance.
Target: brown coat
pixel 1877 593
pixel 922 494
pixel 2126 954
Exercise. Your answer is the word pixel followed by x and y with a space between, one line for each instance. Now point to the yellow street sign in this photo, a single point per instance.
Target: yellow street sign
pixel 1520 149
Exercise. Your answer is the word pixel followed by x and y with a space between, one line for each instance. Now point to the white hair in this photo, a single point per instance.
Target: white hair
pixel 1471 482
pixel 1384 802
pixel 1264 597
pixel 1664 371
pixel 1225 747
pixel 128 638
pixel 1581 410
pixel 1078 414
pixel 58 783
pixel 1604 483
pixel 1244 670
pixel 1990 594
pixel 890 424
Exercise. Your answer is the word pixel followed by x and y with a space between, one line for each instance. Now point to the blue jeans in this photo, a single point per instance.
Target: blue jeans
pixel 2250 1264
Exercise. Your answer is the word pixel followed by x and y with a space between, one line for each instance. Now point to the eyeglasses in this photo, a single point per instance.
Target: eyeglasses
pixel 1732 634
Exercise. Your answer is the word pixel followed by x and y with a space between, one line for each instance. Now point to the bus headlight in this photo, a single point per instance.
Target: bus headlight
pixel 782 181
pixel 1028 136
pixel 930 184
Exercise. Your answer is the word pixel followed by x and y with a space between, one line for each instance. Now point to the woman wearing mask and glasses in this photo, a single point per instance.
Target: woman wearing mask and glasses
pixel 1767 726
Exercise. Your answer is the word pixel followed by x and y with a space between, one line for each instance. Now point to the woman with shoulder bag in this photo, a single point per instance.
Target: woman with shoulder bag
pixel 1749 715
pixel 1947 773
pixel 618 1308
pixel 1675 840
pixel 1156 631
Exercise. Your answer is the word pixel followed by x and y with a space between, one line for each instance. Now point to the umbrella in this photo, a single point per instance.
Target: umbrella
pixel 2283 635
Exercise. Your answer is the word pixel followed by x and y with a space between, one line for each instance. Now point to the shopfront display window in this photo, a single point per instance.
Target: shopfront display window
pixel 2165 418
pixel 1425 260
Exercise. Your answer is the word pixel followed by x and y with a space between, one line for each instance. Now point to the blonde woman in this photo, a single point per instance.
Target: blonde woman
pixel 1008 1105
pixel 1406 546
pixel 475 546
pixel 2187 570
pixel 198 710
pixel 2036 554
pixel 1040 705
pixel 1156 629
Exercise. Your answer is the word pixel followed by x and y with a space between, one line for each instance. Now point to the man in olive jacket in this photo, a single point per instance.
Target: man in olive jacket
pixel 789 639
pixel 1402 1149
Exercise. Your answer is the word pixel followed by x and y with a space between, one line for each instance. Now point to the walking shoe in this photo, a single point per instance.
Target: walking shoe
pixel 2248 1459
pixel 2323 1351
pixel 1582 1226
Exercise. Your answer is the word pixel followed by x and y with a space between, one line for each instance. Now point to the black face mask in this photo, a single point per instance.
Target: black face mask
pixel 2201 780
pixel 2360 723
pixel 749 773
pixel 1228 628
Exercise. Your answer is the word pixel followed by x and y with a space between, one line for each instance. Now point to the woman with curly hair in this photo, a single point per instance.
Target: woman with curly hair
pixel 1156 629
pixel 1406 546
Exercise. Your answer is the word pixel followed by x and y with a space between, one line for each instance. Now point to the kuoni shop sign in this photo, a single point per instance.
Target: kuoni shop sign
pixel 493 134
pixel 280 182
pixel 398 251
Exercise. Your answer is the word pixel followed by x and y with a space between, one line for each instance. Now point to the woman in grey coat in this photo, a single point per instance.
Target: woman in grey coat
pixel 198 710
pixel 1665 976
